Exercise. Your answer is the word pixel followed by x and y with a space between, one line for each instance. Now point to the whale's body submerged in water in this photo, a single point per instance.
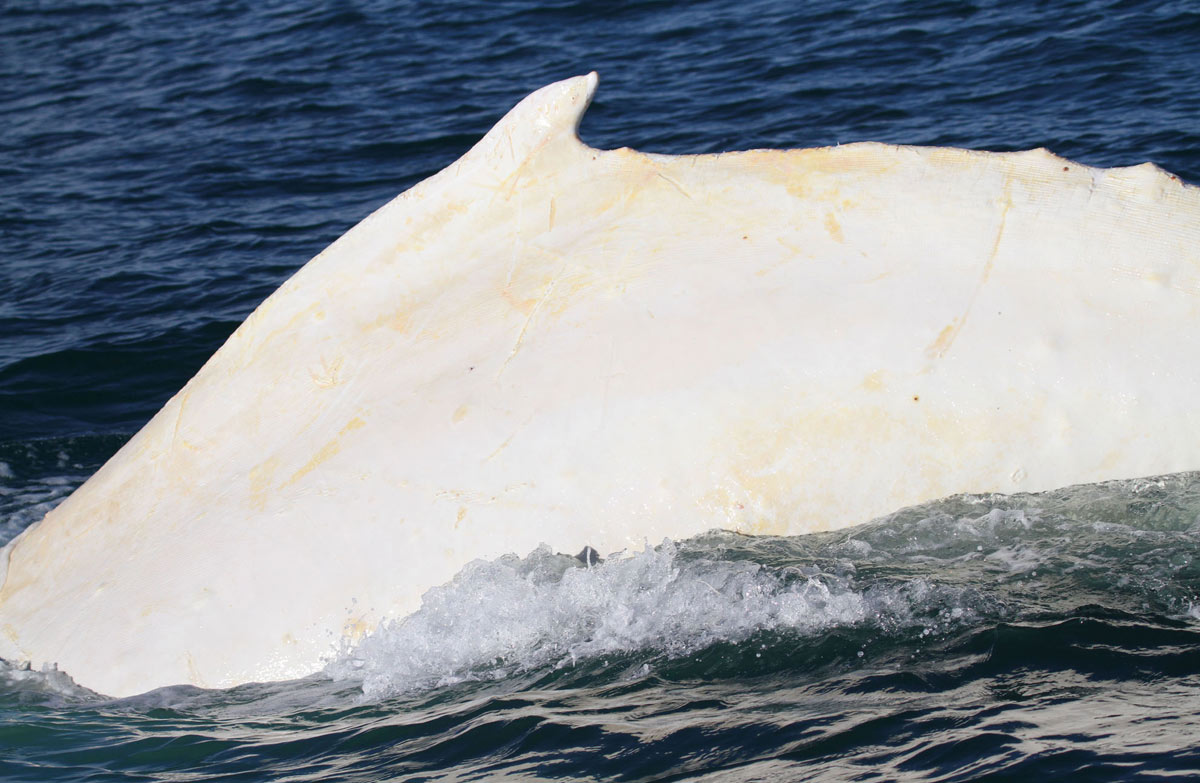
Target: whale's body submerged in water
pixel 548 343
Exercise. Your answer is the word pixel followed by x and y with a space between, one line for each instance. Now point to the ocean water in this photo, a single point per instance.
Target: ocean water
pixel 163 167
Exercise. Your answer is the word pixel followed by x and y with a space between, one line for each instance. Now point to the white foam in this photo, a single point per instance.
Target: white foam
pixel 517 614
pixel 1018 558
pixel 48 681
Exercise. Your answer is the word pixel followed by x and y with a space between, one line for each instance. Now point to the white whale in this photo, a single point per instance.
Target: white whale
pixel 551 343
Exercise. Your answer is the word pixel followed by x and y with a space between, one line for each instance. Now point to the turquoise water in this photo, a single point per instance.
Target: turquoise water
pixel 165 167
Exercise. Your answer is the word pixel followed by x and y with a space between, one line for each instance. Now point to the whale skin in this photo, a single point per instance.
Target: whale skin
pixel 549 343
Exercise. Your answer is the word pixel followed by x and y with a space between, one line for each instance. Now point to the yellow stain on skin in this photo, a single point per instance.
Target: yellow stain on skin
pixel 455 207
pixel 834 228
pixel 356 629
pixel 15 639
pixel 462 514
pixel 325 452
pixel 1110 461
pixel 938 348
pixel 329 374
pixel 773 476
pixel 817 172
pixel 261 477
pixel 193 670
pixel 397 320
pixel 759 480
pixel 252 343
pixel 874 381
pixel 459 414
pixel 523 304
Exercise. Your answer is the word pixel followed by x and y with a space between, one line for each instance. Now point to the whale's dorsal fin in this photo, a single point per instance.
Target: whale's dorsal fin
pixel 550 115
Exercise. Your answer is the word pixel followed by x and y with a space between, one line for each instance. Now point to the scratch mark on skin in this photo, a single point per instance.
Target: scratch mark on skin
pixel 175 437
pixel 945 339
pixel 179 417
pixel 517 244
pixel 472 498
pixel 509 186
pixel 503 445
pixel 675 185
pixel 529 320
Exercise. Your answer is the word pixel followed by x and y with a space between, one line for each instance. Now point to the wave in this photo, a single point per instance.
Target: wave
pixel 891 587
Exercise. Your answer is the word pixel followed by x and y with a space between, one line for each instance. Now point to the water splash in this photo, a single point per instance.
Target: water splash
pixel 905 580
pixel 513 615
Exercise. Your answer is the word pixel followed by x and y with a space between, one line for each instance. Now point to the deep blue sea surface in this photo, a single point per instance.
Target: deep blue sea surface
pixel 165 166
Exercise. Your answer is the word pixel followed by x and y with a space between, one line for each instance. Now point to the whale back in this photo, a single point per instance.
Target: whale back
pixel 549 343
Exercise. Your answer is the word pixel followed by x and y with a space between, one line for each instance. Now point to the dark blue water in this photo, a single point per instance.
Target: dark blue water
pixel 163 167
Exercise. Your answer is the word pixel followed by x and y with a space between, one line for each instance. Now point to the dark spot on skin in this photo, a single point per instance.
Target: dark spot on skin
pixel 916 398
pixel 1066 168
pixel 469 369
pixel 744 236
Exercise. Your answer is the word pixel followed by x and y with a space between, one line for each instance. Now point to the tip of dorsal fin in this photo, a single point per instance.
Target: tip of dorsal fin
pixel 551 113
pixel 556 109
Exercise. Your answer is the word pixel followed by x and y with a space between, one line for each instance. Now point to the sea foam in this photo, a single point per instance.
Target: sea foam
pixel 511 615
